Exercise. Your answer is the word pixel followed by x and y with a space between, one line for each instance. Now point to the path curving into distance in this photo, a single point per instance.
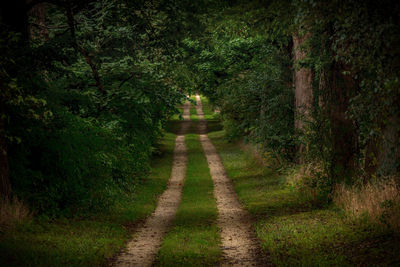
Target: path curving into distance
pixel 142 249
pixel 239 244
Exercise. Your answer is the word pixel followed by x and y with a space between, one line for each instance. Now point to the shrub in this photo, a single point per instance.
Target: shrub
pixel 79 165
pixel 312 183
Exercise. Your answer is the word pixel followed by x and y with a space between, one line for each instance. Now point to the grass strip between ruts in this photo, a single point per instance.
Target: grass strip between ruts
pixel 194 240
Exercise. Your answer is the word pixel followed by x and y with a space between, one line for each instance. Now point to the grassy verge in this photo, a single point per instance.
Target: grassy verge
pixel 90 241
pixel 294 233
pixel 194 240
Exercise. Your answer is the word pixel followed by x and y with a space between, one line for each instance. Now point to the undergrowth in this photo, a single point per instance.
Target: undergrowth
pixel 12 213
pixel 377 201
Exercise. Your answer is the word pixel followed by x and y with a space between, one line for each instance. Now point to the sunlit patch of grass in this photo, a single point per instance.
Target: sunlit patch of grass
pixel 194 240
pixel 91 241
pixel 295 233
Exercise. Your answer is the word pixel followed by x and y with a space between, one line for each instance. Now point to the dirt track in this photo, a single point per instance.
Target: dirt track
pixel 239 245
pixel 142 249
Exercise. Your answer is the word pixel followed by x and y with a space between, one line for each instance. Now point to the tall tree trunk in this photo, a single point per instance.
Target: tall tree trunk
pixel 344 133
pixel 371 159
pixel 14 19
pixel 5 185
pixel 389 149
pixel 39 29
pixel 303 90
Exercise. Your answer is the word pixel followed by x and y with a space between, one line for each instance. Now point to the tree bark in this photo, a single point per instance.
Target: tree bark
pixel 39 31
pixel 5 184
pixel 371 159
pixel 14 19
pixel 344 133
pixel 389 150
pixel 303 90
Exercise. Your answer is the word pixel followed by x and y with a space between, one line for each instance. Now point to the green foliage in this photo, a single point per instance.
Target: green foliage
pixel 78 166
pixel 243 63
pixel 361 43
pixel 86 104
pixel 246 78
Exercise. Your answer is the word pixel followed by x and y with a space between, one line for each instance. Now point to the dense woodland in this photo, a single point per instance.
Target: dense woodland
pixel 87 88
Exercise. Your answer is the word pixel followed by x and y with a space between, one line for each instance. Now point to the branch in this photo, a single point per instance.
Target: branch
pixel 33 3
pixel 83 52
pixel 49 27
pixel 127 79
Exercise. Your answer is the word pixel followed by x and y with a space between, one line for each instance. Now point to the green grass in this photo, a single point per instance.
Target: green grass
pixel 295 233
pixel 193 113
pixel 194 239
pixel 91 241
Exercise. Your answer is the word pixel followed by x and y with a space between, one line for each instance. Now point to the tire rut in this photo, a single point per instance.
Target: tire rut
pixel 142 249
pixel 240 246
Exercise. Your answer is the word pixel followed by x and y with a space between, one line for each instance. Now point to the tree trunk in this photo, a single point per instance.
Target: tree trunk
pixel 371 159
pixel 39 29
pixel 389 150
pixel 303 90
pixel 344 135
pixel 5 185
pixel 14 19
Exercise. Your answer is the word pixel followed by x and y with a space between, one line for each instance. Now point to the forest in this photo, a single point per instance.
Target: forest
pixel 103 101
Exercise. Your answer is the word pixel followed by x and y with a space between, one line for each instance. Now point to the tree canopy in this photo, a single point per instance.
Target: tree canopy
pixel 88 86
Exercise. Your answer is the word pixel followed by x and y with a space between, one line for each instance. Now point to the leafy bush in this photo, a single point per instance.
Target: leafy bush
pixel 80 166
pixel 312 183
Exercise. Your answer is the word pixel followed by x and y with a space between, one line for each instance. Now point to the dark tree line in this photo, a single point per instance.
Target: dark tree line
pixel 313 82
